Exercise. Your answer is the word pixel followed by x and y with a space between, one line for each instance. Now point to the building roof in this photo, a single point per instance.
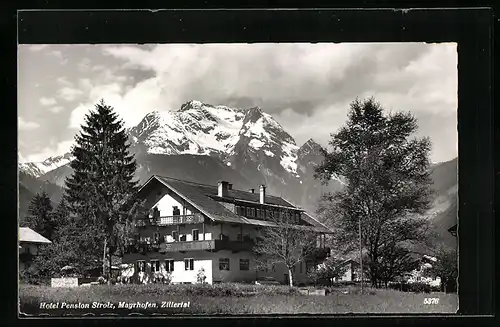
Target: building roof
pixel 26 234
pixel 204 198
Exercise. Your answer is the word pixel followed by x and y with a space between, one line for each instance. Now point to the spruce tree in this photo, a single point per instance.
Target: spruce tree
pixel 40 215
pixel 60 217
pixel 101 188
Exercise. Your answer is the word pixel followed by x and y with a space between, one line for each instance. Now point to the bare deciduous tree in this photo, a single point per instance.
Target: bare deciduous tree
pixel 284 244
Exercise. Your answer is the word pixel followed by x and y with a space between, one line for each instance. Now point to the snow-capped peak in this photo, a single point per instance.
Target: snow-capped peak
pixel 38 169
pixel 204 129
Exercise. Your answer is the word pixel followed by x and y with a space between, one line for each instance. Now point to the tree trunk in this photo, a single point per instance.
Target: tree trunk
pixel 104 259
pixel 290 277
pixel 110 234
pixel 110 268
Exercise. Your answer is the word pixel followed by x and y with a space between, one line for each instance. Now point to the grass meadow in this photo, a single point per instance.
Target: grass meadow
pixel 226 299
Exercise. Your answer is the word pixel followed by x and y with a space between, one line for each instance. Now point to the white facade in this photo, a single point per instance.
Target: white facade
pixel 167 203
pixel 214 262
pixel 210 262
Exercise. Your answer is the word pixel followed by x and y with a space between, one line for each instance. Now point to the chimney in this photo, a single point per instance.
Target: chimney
pixel 229 186
pixel 222 189
pixel 252 190
pixel 262 194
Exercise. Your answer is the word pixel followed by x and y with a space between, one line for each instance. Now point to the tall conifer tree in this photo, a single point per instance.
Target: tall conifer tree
pixel 100 191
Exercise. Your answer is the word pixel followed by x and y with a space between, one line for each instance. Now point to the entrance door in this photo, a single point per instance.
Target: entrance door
pixel 286 279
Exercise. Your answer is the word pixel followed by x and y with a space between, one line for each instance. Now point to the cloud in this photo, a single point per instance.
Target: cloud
pixel 27 125
pixel 56 109
pixel 57 54
pixel 64 81
pixel 36 47
pixel 54 149
pixel 84 65
pixel 47 101
pixel 306 87
pixel 132 106
pixel 69 93
pixel 280 74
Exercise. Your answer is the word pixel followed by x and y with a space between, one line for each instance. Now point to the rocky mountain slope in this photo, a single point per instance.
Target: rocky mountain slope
pixel 38 169
pixel 444 210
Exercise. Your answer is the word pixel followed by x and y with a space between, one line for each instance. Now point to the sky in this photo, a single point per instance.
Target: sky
pixel 306 87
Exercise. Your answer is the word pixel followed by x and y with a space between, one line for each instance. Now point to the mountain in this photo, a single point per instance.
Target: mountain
pixel 444 209
pixel 37 169
pixel 244 146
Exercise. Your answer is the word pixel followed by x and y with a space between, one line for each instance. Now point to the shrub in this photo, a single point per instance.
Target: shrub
pixel 413 287
pixel 200 276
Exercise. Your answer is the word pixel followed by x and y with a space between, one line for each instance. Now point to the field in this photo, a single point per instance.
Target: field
pixel 224 299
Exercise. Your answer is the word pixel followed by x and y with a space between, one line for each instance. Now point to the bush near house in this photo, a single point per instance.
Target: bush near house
pixel 414 287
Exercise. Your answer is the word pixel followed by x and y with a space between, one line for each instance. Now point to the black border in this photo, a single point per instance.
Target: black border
pixel 471 28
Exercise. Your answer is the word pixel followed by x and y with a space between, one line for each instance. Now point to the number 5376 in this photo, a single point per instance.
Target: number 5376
pixel 431 300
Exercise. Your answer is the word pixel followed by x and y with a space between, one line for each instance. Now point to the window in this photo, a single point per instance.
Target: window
pixel 244 264
pixel 251 212
pixel 155 265
pixel 27 249
pixel 241 211
pixel 175 235
pixel 141 266
pixel 188 264
pixel 300 267
pixel 169 265
pixel 183 238
pixel 224 264
pixel 195 235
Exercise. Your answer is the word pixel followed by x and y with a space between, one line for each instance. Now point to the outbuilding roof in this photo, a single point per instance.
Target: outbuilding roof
pixel 28 235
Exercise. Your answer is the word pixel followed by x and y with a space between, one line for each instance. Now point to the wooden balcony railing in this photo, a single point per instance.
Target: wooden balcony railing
pixel 208 245
pixel 215 245
pixel 196 218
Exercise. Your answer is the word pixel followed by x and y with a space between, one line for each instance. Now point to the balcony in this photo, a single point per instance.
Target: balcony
pixel 208 245
pixel 196 218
